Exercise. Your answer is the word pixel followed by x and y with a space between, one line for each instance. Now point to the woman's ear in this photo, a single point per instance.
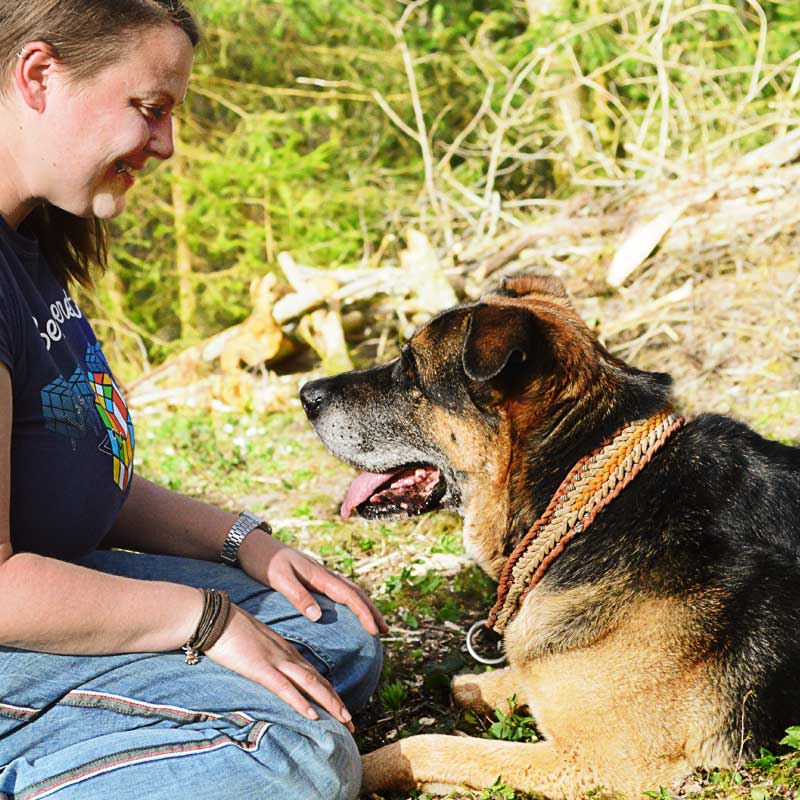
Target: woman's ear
pixel 35 64
pixel 496 334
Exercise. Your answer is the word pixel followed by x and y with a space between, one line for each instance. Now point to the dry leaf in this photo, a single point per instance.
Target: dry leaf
pixel 642 241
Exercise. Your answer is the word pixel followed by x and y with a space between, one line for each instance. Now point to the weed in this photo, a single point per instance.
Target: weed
pixel 395 584
pixel 661 794
pixel 449 542
pixel 450 611
pixel 497 791
pixel 513 727
pixel 411 621
pixel 393 696
pixel 765 760
pixel 792 738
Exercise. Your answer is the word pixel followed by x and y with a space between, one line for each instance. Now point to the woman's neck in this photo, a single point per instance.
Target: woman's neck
pixel 15 202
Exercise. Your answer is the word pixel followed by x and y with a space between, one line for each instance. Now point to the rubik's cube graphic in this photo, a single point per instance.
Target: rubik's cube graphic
pixel 61 406
pixel 67 409
pixel 113 412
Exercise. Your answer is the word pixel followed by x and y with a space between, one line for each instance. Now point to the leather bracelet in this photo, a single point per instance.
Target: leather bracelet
pixel 244 525
pixel 216 610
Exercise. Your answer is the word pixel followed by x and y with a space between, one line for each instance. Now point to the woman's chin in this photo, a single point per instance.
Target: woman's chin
pixel 107 204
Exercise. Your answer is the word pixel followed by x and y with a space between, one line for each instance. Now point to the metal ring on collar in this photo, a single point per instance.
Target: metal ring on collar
pixel 471 649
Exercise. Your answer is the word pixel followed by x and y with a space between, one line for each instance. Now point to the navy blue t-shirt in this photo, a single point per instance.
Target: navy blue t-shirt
pixel 72 435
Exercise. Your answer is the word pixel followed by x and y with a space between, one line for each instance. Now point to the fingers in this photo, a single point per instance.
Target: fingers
pixel 348 594
pixel 293 589
pixel 296 683
pixel 356 599
pixel 299 574
pixel 295 680
pixel 258 653
pixel 313 685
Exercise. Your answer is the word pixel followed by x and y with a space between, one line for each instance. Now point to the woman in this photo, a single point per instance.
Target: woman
pixel 96 699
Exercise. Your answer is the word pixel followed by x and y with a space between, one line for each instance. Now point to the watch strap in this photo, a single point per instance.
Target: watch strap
pixel 245 524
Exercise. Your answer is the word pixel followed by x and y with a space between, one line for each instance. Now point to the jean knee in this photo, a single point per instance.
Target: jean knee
pixel 357 671
pixel 347 767
pixel 320 762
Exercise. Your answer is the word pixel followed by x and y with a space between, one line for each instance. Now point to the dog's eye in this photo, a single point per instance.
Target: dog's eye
pixel 405 372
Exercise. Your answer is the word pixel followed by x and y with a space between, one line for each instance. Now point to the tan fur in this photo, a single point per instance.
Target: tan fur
pixel 487 691
pixel 633 710
pixel 484 456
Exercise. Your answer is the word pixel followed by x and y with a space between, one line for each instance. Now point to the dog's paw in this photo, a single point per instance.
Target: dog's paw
pixel 466 693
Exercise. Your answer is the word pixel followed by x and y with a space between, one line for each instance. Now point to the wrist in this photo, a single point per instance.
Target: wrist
pixel 212 623
pixel 177 610
pixel 242 529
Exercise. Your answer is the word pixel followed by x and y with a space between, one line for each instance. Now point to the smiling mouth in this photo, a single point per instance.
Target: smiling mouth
pixel 121 168
pixel 409 491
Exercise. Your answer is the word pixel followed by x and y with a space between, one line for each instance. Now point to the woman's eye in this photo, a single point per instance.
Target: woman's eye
pixel 154 112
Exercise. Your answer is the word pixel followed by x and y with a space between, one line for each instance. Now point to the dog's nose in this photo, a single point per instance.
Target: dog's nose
pixel 313 396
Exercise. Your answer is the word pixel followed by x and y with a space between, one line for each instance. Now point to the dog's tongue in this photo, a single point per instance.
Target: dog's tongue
pixel 362 488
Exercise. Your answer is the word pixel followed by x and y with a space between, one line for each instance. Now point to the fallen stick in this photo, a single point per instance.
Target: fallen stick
pixel 554 229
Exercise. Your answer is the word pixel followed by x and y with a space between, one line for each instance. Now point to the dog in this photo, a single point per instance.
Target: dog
pixel 656 629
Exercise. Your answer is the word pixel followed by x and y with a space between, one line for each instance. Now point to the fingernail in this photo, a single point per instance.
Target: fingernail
pixel 346 716
pixel 313 612
pixel 311 714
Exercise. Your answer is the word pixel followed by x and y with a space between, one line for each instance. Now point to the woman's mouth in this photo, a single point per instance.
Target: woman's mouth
pixel 123 168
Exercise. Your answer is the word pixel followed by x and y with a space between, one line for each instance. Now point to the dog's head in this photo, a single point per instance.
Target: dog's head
pixel 486 408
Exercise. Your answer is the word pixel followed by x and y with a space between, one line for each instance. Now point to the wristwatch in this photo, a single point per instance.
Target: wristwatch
pixel 245 524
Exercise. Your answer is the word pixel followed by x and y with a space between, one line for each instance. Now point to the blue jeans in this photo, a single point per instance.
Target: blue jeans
pixel 149 727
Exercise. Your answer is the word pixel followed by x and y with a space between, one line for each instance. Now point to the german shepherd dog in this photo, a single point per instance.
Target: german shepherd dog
pixel 666 634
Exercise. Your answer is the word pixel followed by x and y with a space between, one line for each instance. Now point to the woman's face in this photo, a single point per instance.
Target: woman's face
pixel 96 134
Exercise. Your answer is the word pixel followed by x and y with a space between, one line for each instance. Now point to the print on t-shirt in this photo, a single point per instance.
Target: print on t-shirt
pixel 92 398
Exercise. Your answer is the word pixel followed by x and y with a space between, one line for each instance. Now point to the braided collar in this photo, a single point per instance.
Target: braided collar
pixel 590 486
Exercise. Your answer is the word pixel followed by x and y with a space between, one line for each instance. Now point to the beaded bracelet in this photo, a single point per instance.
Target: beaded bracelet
pixel 216 610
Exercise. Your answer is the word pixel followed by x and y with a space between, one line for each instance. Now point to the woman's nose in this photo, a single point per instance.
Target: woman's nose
pixel 162 140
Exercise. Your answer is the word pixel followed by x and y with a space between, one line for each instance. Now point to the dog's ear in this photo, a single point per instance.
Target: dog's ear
pixel 496 334
pixel 535 286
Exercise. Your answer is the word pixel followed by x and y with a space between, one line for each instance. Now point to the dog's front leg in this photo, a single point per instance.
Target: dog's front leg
pixel 485 691
pixel 476 763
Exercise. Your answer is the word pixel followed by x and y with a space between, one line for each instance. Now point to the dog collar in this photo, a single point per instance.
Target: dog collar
pixel 590 486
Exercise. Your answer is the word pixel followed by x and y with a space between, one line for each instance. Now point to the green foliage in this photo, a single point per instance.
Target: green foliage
pixel 765 760
pixel 661 794
pixel 498 791
pixel 283 144
pixel 513 727
pixel 393 696
pixel 792 738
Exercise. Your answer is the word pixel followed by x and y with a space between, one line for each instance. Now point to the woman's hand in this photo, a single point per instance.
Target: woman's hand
pixel 295 575
pixel 255 651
